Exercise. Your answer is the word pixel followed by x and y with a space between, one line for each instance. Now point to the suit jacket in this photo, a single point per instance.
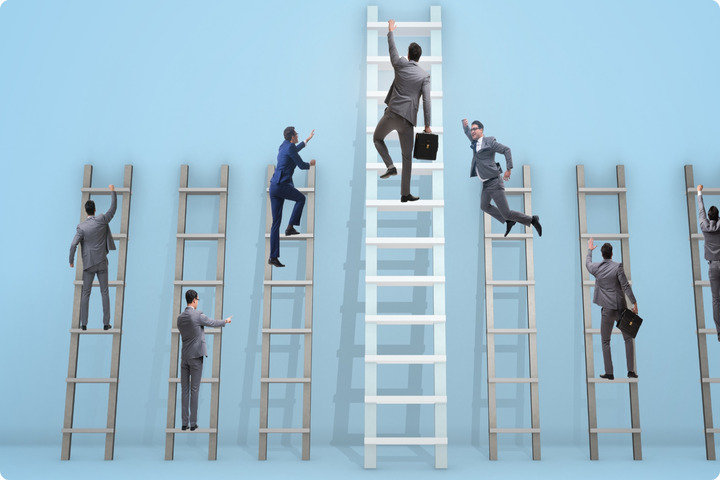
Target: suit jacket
pixel 95 238
pixel 610 282
pixel 483 161
pixel 410 82
pixel 191 324
pixel 287 160
pixel 711 231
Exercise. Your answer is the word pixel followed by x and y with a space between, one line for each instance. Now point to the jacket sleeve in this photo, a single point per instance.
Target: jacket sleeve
pixel 503 150
pixel 466 129
pixel 113 206
pixel 625 284
pixel 427 100
pixel 293 153
pixel 589 263
pixel 209 322
pixel 704 223
pixel 76 239
pixel 394 56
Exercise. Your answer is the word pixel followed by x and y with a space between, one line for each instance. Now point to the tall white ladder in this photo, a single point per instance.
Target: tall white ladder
pixel 377 30
pixel 702 331
pixel 530 331
pixel 179 285
pixel 306 332
pixel 121 238
pixel 587 283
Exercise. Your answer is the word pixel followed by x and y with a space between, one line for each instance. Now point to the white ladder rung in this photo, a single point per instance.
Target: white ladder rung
pixel 602 191
pixel 95 331
pixel 405 242
pixel 288 283
pixel 104 191
pixel 702 283
pixel 417 168
pixel 510 236
pixel 200 236
pixel 512 380
pixel 405 319
pixel 405 359
pixel 202 380
pixel 88 430
pixel 198 283
pixel 202 190
pixel 111 283
pixel 406 440
pixel 408 29
pixel 91 380
pixel 287 331
pixel 596 331
pixel 383 62
pixel 617 380
pixel 284 430
pixel 514 430
pixel 301 236
pixel 615 430
pixel 708 331
pixel 405 281
pixel 605 236
pixel 197 430
pixel 710 380
pixel 284 380
pixel 510 283
pixel 207 330
pixel 405 399
pixel 398 206
pixel 511 331
pixel 517 190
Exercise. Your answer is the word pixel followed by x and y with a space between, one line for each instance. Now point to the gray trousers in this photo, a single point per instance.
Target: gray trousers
pixel 392 121
pixel 101 271
pixel 714 275
pixel 609 318
pixel 494 189
pixel 190 376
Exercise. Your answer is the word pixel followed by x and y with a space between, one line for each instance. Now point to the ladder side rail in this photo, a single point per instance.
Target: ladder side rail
pixel 267 300
pixel 490 339
pixel 307 347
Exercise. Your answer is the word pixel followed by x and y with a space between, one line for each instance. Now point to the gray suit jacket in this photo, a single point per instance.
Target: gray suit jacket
pixel 410 82
pixel 610 282
pixel 191 324
pixel 711 232
pixel 94 236
pixel 483 161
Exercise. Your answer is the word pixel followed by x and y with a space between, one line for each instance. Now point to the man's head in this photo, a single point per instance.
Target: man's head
pixel 290 135
pixel 713 213
pixel 476 130
pixel 414 52
pixel 90 207
pixel 606 251
pixel 191 297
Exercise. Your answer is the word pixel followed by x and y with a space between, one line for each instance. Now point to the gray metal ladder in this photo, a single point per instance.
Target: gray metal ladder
pixel 306 331
pixel 587 283
pixel 116 332
pixel 702 331
pixel 179 304
pixel 530 331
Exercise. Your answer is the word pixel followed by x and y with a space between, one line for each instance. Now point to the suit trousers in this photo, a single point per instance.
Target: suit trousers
pixel 609 318
pixel 392 121
pixel 190 376
pixel 494 189
pixel 101 270
pixel 278 194
pixel 714 276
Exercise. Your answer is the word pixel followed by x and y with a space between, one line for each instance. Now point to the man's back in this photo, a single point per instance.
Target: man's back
pixel 410 82
pixel 611 284
pixel 287 160
pixel 711 233
pixel 191 325
pixel 93 234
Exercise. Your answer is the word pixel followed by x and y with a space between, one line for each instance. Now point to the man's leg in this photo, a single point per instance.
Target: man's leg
pixel 196 367
pixel 606 325
pixel 384 126
pixel 714 276
pixel 185 385
pixel 498 196
pixel 292 193
pixel 276 203
pixel 102 275
pixel 88 277
pixel 629 351
pixel 406 136
pixel 489 187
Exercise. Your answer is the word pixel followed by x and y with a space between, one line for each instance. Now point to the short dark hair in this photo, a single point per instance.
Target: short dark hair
pixel 190 295
pixel 289 132
pixel 414 52
pixel 713 213
pixel 606 251
pixel 90 207
pixel 479 125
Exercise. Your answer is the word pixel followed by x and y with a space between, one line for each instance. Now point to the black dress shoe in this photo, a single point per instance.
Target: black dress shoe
pixel 632 375
pixel 508 226
pixel 408 198
pixel 184 427
pixel 193 428
pixel 275 262
pixel 83 327
pixel 536 224
pixel 389 172
pixel 608 376
pixel 107 327
pixel 290 230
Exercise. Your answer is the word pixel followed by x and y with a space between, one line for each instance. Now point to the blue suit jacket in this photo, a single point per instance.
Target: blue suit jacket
pixel 287 160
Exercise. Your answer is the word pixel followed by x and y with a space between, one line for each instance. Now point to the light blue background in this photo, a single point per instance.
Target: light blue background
pixel 161 83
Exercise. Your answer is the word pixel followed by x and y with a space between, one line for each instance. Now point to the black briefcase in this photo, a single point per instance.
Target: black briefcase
pixel 426 146
pixel 629 323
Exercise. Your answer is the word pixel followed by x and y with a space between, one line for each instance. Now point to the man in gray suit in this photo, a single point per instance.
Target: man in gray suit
pixel 94 236
pixel 192 323
pixel 403 101
pixel 710 228
pixel 484 167
pixel 610 283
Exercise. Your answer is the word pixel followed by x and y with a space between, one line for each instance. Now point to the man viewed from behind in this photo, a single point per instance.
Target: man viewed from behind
pixel 710 228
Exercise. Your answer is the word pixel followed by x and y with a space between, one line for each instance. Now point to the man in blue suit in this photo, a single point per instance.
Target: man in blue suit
pixel 282 188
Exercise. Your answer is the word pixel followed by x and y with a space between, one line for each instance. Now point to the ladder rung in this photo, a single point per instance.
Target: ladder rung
pixel 710 380
pixel 287 331
pixel 517 190
pixel 111 283
pixel 398 206
pixel 202 380
pixel 393 134
pixel 304 190
pixel 119 236
pixel 602 191
pixel 405 319
pixel 104 191
pixel 405 281
pixel 207 330
pixel 284 380
pixel 88 430
pixel 406 440
pixel 405 242
pixel 284 430
pixel 200 236
pixel 511 331
pixel 510 236
pixel 91 380
pixel 288 283
pixel 712 430
pixel 417 168
pixel 615 430
pixel 95 331
pixel 406 399
pixel 510 283
pixel 405 359
pixel 706 191
pixel 300 236
pixel 409 29
pixel 198 283
pixel 617 380
pixel 197 430
pixel 202 191
pixel 512 380
pixel 605 236
pixel 596 331
pixel 514 430
pixel 708 331
pixel 697 236
pixel 702 283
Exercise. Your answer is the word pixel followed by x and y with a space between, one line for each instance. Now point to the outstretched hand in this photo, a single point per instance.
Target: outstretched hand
pixel 591 245
pixel 465 122
pixel 312 134
pixel 229 319
pixel 391 25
